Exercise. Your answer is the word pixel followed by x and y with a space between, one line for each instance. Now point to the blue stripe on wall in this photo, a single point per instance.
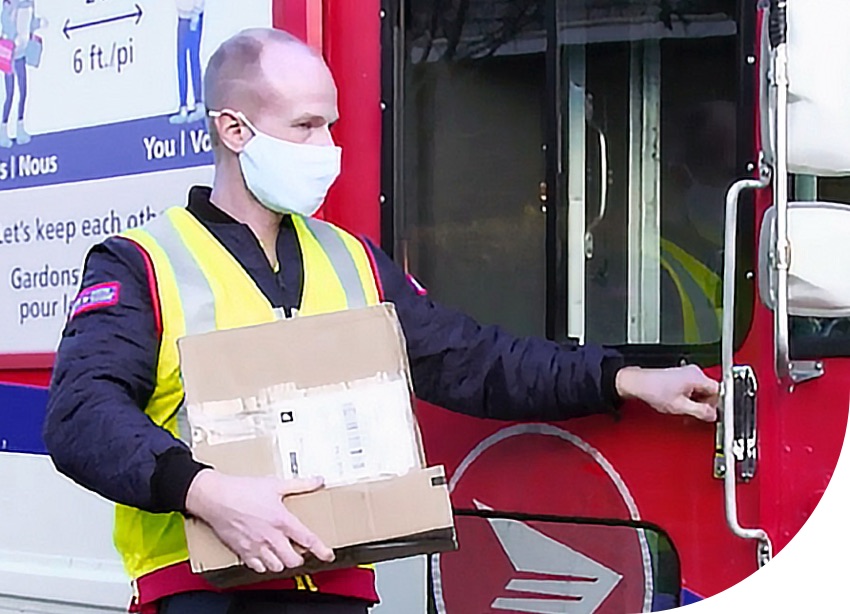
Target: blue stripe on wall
pixel 22 410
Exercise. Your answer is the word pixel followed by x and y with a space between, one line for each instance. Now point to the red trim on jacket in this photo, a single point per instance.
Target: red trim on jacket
pixel 152 285
pixel 357 582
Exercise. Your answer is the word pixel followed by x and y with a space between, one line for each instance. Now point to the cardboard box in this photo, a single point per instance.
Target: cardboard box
pixel 339 382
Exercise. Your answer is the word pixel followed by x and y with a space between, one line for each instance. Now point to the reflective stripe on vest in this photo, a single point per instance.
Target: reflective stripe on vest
pixel 196 295
pixel 202 287
pixel 333 245
pixel 699 291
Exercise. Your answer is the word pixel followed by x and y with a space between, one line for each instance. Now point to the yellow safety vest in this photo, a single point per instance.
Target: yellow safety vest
pixel 700 293
pixel 201 288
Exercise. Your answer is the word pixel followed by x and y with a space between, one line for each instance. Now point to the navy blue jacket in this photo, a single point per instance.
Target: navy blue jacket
pixel 99 436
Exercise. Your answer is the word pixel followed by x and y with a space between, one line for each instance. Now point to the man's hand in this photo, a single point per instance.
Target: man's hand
pixel 249 516
pixel 684 391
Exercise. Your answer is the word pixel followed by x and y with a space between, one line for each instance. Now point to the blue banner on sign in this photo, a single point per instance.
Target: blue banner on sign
pixel 22 411
pixel 98 152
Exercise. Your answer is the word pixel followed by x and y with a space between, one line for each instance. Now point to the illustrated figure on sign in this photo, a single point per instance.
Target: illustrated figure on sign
pixel 190 27
pixel 20 48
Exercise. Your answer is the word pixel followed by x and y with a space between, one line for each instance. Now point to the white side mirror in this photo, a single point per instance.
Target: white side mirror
pixel 818 123
pixel 819 274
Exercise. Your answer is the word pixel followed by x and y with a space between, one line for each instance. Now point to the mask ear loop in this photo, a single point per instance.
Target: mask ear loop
pixel 238 115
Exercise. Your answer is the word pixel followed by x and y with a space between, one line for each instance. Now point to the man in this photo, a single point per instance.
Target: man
pixel 250 247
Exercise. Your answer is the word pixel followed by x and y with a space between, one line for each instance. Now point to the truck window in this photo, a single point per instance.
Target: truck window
pixel 472 224
pixel 657 117
pixel 563 164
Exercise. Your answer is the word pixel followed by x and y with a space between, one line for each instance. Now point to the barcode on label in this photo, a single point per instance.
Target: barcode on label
pixel 352 432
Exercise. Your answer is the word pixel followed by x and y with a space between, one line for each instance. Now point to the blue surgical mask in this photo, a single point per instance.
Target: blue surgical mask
pixel 287 177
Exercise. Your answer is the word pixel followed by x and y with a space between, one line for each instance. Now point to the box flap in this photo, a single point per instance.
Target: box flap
pixel 370 512
pixel 237 363
pixel 376 511
pixel 344 516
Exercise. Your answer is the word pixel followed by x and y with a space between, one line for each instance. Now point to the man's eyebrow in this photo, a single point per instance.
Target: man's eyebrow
pixel 311 117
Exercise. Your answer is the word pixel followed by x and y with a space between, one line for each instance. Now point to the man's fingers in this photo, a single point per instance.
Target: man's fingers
pixel 322 552
pixel 702 411
pixel 300 485
pixel 255 564
pixel 310 541
pixel 270 560
pixel 707 388
pixel 702 384
pixel 284 550
pixel 301 535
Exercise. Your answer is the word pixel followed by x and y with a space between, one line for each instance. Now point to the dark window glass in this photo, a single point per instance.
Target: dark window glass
pixel 646 95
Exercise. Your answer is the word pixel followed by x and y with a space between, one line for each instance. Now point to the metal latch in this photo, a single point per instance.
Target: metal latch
pixel 745 444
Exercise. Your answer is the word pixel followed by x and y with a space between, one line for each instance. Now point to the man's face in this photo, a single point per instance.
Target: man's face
pixel 299 102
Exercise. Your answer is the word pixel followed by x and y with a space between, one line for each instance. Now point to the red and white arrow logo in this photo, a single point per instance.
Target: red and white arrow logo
pixel 542 566
pixel 562 580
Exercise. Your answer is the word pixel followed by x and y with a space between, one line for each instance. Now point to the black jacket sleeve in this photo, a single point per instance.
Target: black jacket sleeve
pixel 485 371
pixel 96 430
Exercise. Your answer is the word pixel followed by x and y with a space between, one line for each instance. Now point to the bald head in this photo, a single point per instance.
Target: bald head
pixel 279 83
pixel 236 76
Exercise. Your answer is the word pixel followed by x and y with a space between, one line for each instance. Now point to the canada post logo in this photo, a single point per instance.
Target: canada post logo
pixel 523 564
pixel 96 297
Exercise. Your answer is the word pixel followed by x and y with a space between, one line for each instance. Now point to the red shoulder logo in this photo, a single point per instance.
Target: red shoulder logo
pixel 96 297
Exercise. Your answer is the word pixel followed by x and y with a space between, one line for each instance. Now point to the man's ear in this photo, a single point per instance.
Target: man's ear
pixel 232 133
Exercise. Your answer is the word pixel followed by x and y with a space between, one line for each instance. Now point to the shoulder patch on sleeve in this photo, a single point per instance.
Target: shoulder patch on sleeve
pixel 420 289
pixel 96 297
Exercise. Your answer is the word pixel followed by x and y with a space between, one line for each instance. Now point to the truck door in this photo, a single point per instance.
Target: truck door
pixel 560 168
